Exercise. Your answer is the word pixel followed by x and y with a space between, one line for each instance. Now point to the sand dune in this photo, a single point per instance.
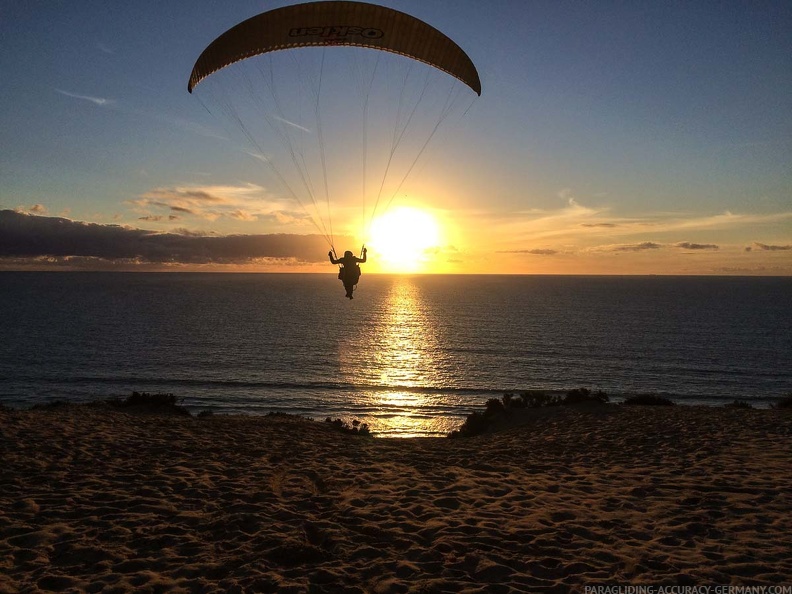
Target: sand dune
pixel 99 500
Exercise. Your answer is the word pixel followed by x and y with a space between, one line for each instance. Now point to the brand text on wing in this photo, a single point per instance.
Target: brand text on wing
pixel 337 32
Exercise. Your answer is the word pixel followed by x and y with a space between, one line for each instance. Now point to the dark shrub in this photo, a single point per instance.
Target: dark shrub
pixel 51 405
pixel 537 399
pixel 584 395
pixel 146 399
pixel 477 423
pixel 649 400
pixel 151 402
pixel 785 402
pixel 357 427
pixel 738 404
pixel 494 408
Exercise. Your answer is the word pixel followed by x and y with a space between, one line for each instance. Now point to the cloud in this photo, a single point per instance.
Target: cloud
pixel 95 100
pixel 38 209
pixel 636 247
pixel 27 236
pixel 283 217
pixel 206 202
pixel 304 129
pixel 726 220
pixel 535 252
pixel 538 223
pixel 158 218
pixel 211 194
pixel 768 248
pixel 568 222
pixel 242 215
pixel 244 202
pixel 686 245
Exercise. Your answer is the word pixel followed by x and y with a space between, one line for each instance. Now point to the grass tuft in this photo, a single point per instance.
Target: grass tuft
pixel 357 428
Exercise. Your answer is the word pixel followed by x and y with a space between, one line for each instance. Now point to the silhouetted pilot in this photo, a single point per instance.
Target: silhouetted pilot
pixel 349 274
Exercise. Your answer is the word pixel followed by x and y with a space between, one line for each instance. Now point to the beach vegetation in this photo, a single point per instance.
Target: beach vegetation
pixel 784 402
pixel 477 423
pixel 497 411
pixel 356 428
pixel 51 405
pixel 585 396
pixel 648 400
pixel 739 404
pixel 532 399
pixel 163 402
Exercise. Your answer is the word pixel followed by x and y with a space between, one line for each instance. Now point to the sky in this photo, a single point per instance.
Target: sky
pixel 609 138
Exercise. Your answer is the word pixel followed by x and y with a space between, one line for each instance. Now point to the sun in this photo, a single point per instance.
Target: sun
pixel 402 238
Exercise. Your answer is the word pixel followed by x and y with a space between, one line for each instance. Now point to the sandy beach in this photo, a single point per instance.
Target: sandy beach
pixel 99 500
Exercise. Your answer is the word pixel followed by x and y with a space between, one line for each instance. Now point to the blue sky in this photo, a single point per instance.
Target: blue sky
pixel 610 137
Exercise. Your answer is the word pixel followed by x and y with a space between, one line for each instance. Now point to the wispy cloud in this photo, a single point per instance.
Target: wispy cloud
pixel 686 245
pixel 637 247
pixel 726 220
pixel 158 218
pixel 287 122
pixel 246 202
pixel 534 252
pixel 101 101
pixel 624 247
pixel 577 223
pixel 768 248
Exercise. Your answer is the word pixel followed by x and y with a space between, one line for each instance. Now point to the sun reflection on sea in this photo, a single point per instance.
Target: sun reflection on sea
pixel 405 338
pixel 403 364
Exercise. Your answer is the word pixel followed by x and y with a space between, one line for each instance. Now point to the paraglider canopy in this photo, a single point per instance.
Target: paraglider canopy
pixel 338 127
pixel 336 23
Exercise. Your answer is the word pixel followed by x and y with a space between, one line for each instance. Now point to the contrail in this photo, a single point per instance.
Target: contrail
pixel 94 100
pixel 291 124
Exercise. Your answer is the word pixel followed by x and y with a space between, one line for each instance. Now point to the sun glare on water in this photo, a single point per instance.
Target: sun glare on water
pixel 401 239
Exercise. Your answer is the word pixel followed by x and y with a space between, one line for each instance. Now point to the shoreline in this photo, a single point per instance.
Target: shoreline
pixel 105 499
pixel 445 423
pixel 415 426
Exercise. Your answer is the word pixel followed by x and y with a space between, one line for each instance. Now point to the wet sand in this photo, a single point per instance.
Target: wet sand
pixel 94 499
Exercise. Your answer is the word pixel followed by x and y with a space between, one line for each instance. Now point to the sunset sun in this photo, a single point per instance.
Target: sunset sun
pixel 401 238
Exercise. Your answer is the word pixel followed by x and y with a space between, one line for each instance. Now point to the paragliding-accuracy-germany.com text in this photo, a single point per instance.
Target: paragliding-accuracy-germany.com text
pixel 775 589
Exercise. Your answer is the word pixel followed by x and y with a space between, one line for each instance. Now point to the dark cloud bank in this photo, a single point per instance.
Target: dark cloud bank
pixel 29 236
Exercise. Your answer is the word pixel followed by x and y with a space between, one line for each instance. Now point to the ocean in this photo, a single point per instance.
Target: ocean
pixel 410 355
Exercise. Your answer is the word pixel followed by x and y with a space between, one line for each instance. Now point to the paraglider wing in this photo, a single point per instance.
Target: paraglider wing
pixel 336 23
